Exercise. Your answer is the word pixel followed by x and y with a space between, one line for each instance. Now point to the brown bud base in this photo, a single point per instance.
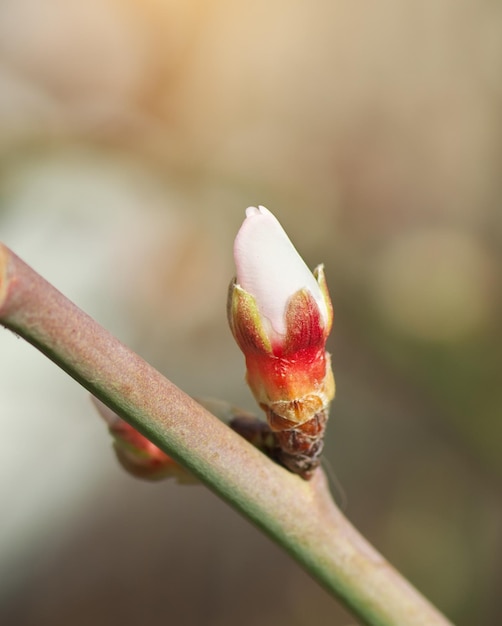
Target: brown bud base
pixel 301 446
pixel 296 447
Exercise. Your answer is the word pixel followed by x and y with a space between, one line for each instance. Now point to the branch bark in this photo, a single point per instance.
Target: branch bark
pixel 298 515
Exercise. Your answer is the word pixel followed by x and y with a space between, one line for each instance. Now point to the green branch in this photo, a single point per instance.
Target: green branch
pixel 298 515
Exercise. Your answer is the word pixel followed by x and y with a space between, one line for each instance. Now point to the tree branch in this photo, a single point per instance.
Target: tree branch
pixel 298 515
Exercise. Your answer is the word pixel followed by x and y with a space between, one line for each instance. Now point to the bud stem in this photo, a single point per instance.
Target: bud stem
pixel 298 515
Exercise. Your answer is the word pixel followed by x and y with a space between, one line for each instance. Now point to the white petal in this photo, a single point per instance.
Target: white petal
pixel 270 268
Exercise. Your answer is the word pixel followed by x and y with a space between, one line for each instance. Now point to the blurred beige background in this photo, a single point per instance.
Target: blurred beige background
pixel 133 134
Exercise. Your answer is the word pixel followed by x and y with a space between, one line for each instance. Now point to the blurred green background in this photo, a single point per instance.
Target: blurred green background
pixel 133 134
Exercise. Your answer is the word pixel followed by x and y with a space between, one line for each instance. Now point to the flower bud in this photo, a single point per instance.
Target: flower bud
pixel 280 314
pixel 136 454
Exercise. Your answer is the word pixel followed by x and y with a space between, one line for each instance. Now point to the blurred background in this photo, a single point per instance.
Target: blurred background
pixel 133 134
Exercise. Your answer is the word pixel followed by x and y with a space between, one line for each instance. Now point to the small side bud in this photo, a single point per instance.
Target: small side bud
pixel 136 454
